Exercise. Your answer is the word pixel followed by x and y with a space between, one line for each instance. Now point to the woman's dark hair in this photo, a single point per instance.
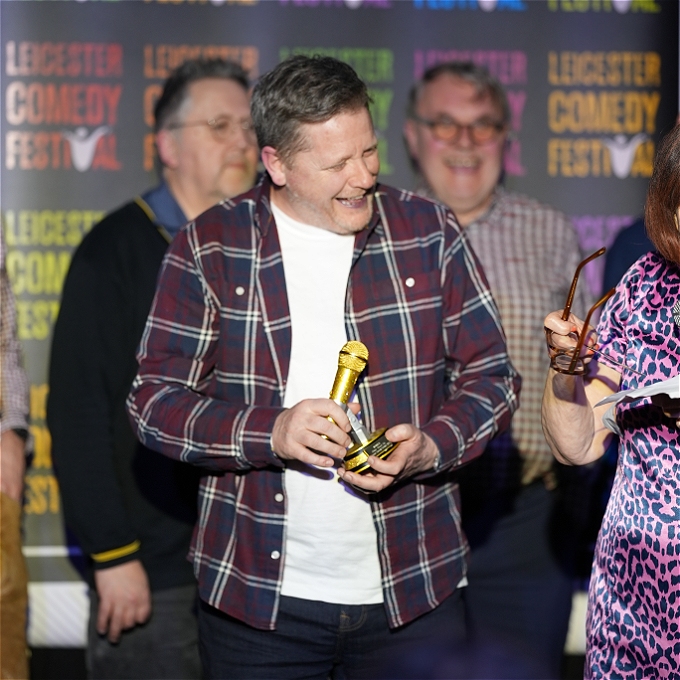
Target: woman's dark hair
pixel 176 87
pixel 663 198
pixel 299 90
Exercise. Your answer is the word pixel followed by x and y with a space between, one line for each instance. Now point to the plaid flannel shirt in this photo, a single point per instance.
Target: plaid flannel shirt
pixel 212 375
pixel 14 392
pixel 529 252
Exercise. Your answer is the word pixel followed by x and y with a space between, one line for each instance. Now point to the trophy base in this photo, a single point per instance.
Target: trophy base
pixel 356 459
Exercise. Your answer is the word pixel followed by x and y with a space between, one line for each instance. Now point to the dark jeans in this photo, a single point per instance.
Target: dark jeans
pixel 519 593
pixel 320 640
pixel 166 646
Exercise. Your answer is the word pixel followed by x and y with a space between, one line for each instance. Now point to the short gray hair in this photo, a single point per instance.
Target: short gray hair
pixel 479 76
pixel 299 90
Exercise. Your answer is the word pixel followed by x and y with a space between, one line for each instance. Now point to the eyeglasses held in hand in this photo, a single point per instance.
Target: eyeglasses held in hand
pixel 570 361
pixel 223 128
pixel 446 129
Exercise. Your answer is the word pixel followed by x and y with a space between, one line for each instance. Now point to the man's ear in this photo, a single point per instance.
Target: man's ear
pixel 274 165
pixel 410 135
pixel 167 147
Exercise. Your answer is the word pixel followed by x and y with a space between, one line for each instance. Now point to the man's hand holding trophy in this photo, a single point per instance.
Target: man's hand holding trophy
pixel 352 360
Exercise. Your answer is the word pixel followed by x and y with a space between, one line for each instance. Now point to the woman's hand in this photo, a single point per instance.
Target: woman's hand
pixel 562 336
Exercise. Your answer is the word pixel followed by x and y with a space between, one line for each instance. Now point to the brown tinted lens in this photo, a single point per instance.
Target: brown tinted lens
pixel 483 131
pixel 445 130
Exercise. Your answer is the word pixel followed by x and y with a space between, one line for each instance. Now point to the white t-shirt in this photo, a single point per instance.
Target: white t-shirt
pixel 331 552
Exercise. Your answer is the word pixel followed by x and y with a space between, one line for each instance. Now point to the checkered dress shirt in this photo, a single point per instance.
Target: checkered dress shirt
pixel 529 253
pixel 14 395
pixel 213 366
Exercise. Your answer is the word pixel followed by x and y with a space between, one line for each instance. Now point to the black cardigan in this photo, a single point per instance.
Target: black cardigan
pixel 115 491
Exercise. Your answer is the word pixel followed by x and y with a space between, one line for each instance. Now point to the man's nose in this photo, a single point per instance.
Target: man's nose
pixel 363 177
pixel 464 138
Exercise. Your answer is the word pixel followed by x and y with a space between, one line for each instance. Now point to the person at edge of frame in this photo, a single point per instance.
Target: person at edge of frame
pixel 514 515
pixel 306 569
pixel 132 510
pixel 14 412
pixel 632 623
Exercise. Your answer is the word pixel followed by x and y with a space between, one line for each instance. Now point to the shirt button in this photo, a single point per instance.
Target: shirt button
pixel 275 554
pixel 240 290
pixel 279 497
pixel 410 282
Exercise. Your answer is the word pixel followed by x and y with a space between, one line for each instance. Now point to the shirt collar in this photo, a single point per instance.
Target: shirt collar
pixel 264 217
pixel 423 189
pixel 166 209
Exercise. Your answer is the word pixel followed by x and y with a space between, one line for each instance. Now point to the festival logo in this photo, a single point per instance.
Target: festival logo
pixel 61 105
pixel 83 145
pixel 602 113
pixel 622 152
pixel 620 6
pixel 351 4
pixel 484 5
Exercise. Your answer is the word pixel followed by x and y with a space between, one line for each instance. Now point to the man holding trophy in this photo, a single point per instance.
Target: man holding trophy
pixel 323 542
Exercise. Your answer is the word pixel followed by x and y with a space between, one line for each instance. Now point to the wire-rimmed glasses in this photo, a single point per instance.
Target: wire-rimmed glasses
pixel 569 360
pixel 223 127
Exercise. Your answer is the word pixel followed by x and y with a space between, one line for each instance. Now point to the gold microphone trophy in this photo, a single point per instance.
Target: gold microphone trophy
pixel 351 361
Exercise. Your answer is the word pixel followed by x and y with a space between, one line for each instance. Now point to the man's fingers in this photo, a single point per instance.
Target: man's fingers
pixel 143 611
pixel 330 430
pixel 115 625
pixel 305 429
pixel 392 466
pixel 304 455
pixel 369 482
pixel 103 615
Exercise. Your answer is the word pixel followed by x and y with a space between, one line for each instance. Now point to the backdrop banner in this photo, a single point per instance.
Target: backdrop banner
pixel 592 84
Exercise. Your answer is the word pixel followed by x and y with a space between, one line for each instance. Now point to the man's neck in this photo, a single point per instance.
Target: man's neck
pixel 465 219
pixel 191 204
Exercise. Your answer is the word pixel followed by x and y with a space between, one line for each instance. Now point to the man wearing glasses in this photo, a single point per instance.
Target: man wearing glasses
pixel 131 509
pixel 519 592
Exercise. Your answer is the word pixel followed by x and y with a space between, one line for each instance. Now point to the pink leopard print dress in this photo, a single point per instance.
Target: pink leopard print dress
pixel 634 600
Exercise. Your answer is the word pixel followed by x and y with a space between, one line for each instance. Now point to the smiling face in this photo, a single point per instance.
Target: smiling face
pixel 329 183
pixel 463 175
pixel 201 167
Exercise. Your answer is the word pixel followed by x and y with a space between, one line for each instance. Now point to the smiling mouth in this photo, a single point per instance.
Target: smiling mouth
pixel 355 202
pixel 462 163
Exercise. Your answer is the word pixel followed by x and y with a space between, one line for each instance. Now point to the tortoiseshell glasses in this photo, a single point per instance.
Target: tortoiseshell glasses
pixel 569 360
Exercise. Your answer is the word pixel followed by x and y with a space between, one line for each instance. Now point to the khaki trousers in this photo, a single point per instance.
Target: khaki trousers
pixel 13 593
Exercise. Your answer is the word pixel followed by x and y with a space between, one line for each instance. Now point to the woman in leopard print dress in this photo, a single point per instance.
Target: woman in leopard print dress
pixel 634 601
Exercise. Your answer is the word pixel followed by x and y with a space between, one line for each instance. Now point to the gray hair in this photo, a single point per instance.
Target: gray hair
pixel 479 76
pixel 303 89
pixel 176 87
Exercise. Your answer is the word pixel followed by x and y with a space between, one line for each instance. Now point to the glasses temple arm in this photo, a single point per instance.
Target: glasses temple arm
pixel 572 290
pixel 584 330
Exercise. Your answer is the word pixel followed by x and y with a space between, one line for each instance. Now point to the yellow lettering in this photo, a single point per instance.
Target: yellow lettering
pixel 42 445
pixel 37 272
pixel 36 318
pixel 644 160
pixel 581 157
pixel 42 494
pixel 38 401
pixel 49 227
pixel 605 69
pixel 605 112
pixel 380 109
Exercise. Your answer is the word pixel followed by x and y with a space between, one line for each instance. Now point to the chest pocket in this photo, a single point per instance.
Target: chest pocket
pixel 417 289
